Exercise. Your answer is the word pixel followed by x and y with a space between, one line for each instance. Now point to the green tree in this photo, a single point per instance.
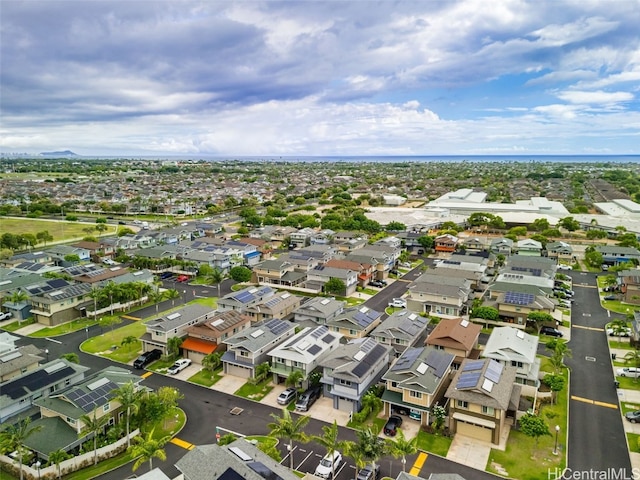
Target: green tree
pixel 486 313
pixel 439 414
pixel 262 371
pixel 147 448
pixel 173 346
pixel 335 286
pixel 294 379
pixel 129 341
pixel 215 278
pixel 329 440
pixel 396 227
pixel 426 242
pixel 554 382
pixel 71 357
pixel 18 296
pixel 619 327
pixel 56 458
pixel 156 296
pixel 240 274
pixel 633 357
pixel 352 449
pixel 212 361
pixel 172 294
pixel 401 447
pixel 533 426
pixel 287 428
pixel 569 223
pixel 539 319
pixel 13 437
pixel 94 425
pixel 129 397
pixel 559 350
pixel 371 446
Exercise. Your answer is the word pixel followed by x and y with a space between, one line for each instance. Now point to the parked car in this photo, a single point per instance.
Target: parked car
pixel 5 316
pixel 307 399
pixel 165 275
pixel 405 264
pixel 398 303
pixel 633 417
pixel 328 464
pixel 614 332
pixel 368 473
pixel 286 396
pixel 605 267
pixel 628 372
pixel 109 261
pixel 392 425
pixel 610 297
pixel 182 278
pixel 376 283
pixel 564 267
pixel 179 366
pixel 551 331
pixel 147 357
pixel 394 272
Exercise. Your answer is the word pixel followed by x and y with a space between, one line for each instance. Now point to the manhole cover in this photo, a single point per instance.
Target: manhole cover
pixel 238 410
pixel 590 359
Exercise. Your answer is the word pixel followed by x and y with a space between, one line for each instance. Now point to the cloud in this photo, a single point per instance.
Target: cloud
pixel 595 97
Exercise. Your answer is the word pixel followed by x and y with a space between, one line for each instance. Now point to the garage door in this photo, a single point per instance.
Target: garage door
pixel 237 371
pixel 345 405
pixel 474 431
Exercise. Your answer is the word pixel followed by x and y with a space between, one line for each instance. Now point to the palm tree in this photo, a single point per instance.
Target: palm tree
pixel 17 297
pixel 173 346
pixel 212 361
pixel 262 371
pixel 352 449
pixel 287 428
pixel 172 294
pixel 619 328
pixel 329 440
pixel 94 425
pixel 56 458
pixel 147 449
pixel 128 341
pixel 401 447
pixel 559 351
pixel 372 447
pixel 633 357
pixel 12 438
pixel 129 397
pixel 156 297
pixel 294 379
pixel 215 278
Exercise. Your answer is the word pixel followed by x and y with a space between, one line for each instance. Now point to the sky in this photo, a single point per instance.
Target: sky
pixel 320 78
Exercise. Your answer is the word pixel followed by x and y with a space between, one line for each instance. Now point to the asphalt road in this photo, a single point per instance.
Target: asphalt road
pixel 596 434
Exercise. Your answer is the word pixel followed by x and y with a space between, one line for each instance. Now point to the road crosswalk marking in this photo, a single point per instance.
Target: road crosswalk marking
pixel 417 466
pixel 182 443
pixel 594 402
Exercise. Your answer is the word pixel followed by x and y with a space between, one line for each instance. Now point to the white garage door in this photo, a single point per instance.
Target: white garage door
pixel 474 431
pixel 345 405
pixel 238 371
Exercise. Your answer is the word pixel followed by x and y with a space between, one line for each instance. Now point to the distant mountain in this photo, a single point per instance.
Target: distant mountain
pixel 65 153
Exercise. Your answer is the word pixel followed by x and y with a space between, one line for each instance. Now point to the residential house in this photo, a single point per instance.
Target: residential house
pixel 245 298
pixel 457 336
pixel 250 254
pixel 57 301
pixel 446 243
pixel 18 394
pixel 481 397
pixel 349 371
pixel 532 266
pixel 208 334
pixel 439 295
pixel 630 285
pixel 38 256
pixel 401 330
pixel 376 264
pixel 471 267
pixel 319 276
pixel 18 361
pixel 302 261
pixel 94 274
pixel 301 238
pixel 323 237
pixel 278 272
pixel 355 322
pixel 410 241
pixel 346 235
pixel 249 348
pixel 365 271
pixel 417 381
pixel 616 255
pixel 174 324
pixel 529 247
pixel 318 311
pixel 393 242
pixel 560 251
pixel 281 305
pixel 521 283
pixel 351 245
pixel 7 342
pixel 237 460
pixel 63 413
pixel 473 244
pixel 59 252
pixel 512 346
pixel 515 307
pixel 303 353
pixel 501 246
pixel 132 243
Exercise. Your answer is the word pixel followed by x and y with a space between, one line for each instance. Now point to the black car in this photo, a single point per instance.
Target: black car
pixel 147 357
pixel 368 473
pixel 610 297
pixel 394 272
pixel 376 283
pixel 551 331
pixel 307 399
pixel 391 427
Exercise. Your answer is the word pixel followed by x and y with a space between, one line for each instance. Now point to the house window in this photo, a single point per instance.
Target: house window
pixel 462 404
pixel 516 364
pixel 413 394
pixel 67 382
pixel 352 332
pixel 438 347
pixel 394 384
pixel 344 382
pixel 106 407
pixel 244 354
pixel 488 410
pixel 71 421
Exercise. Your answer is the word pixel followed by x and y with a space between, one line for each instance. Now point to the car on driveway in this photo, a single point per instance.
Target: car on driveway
pixel 551 331
pixel 564 267
pixel 307 399
pixel 5 316
pixel 398 303
pixel 376 283
pixel 610 297
pixel 369 473
pixel 628 372
pixel 392 425
pixel 286 396
pixel 621 332
pixel 328 464
pixel 179 366
pixel 633 417
pixel 146 358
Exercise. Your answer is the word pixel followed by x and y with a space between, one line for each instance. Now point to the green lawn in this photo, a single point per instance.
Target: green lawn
pixel 59 230
pixel 255 391
pixel 65 328
pixel 109 338
pixel 13 326
pixel 633 439
pixel 206 378
pixel 629 383
pixel 438 444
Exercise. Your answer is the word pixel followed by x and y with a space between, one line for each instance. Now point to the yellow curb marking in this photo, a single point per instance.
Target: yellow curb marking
pixel 147 374
pixel 594 402
pixel 417 466
pixel 595 329
pixel 182 443
pixel 129 317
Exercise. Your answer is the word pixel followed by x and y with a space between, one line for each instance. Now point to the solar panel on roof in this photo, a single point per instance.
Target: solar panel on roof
pixel 328 338
pixel 313 349
pixel 319 331
pixel 517 298
pixel 474 365
pixel 494 370
pixel 360 369
pixel 468 380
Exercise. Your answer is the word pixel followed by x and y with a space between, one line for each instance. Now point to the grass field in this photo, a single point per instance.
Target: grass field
pixel 59 230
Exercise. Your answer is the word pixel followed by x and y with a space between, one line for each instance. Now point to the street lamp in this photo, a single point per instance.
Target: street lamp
pixel 185 296
pixel 38 467
pixel 555 448
pixel 46 351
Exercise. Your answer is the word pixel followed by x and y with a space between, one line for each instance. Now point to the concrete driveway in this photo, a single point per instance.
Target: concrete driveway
pixel 469 451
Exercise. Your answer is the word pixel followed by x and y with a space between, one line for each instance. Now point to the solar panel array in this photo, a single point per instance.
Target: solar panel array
pixel 319 331
pixel 536 272
pixel 368 361
pixel 277 326
pixel 244 296
pixel 439 362
pixel 273 302
pixel 313 349
pixel 47 287
pixel 493 371
pixel 364 319
pixel 89 401
pixel 468 380
pixel 406 359
pixel 474 365
pixel 328 338
pixel 517 298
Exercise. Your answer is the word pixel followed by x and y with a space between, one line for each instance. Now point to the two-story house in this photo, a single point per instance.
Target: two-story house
pixel 365 271
pixel 19 360
pixel 630 285
pixel 529 247
pixel 501 246
pixel 355 322
pixel 416 382
pixel 302 353
pixel 279 272
pixel 208 334
pixel 446 243
pixel 320 275
pixel 457 336
pixel 349 371
pixel 318 311
pixel 401 330
pixel 245 298
pixel 512 346
pixel 482 395
pixel 56 301
pixel 516 307
pixel 615 255
pixel 560 251
pixel 174 324
pixel 281 305
pixel 439 295
pixel 249 348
